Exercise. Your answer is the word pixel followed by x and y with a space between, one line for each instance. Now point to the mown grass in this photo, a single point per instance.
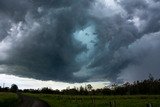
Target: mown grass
pixel 8 99
pixel 98 101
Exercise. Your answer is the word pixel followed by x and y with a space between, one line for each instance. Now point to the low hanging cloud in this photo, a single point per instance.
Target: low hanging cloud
pixel 78 41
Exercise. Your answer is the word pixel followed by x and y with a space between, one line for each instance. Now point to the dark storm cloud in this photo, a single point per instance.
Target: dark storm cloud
pixel 146 10
pixel 42 45
pixel 15 9
pixel 38 39
pixel 118 33
pixel 131 5
pixel 4 27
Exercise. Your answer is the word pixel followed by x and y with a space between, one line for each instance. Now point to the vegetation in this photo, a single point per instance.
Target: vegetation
pixel 137 94
pixel 98 101
pixel 8 99
pixel 14 88
pixel 146 87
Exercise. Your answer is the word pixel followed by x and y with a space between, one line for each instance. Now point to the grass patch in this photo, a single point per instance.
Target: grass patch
pixel 8 99
pixel 98 101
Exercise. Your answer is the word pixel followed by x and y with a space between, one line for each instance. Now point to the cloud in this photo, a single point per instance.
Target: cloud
pixel 78 41
pixel 144 58
pixel 117 33
pixel 42 43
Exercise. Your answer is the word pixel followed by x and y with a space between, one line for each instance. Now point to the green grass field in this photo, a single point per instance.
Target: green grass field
pixel 11 100
pixel 8 99
pixel 98 101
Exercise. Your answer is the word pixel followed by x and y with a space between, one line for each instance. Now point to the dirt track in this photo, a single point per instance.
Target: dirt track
pixel 26 101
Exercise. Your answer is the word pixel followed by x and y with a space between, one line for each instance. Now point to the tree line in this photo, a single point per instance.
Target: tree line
pixel 149 86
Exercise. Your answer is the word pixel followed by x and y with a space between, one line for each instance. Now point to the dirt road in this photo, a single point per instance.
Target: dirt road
pixel 27 101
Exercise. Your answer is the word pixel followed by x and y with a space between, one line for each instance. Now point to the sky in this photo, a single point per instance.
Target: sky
pixel 60 43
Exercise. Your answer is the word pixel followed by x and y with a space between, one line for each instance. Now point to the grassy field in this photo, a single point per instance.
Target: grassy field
pixel 8 99
pixel 11 100
pixel 98 101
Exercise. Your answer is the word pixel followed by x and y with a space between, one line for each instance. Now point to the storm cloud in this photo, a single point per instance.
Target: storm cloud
pixel 80 40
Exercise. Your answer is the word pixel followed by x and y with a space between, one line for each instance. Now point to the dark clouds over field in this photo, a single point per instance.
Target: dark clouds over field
pixel 80 40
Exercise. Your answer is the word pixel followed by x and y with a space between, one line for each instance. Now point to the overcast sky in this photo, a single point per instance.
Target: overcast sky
pixel 72 42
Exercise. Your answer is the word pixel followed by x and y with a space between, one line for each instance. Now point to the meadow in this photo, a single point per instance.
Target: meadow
pixel 98 101
pixel 11 100
pixel 8 99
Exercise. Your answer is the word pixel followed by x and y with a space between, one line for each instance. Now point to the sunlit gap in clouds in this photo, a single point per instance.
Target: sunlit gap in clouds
pixel 30 83
pixel 87 37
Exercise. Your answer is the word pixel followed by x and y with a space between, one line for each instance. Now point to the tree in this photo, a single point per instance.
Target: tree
pixel 114 86
pixel 14 88
pixel 89 87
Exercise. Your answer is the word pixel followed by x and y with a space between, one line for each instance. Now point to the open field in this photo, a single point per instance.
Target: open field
pixel 8 99
pixel 98 101
pixel 11 100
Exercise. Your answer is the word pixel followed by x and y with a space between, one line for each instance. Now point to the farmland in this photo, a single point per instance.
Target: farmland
pixel 98 101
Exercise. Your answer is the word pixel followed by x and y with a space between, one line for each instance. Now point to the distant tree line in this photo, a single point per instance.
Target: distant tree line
pixel 150 86
pixel 14 88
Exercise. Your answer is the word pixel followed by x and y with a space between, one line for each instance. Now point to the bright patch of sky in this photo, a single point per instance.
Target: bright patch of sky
pixel 29 83
pixel 87 37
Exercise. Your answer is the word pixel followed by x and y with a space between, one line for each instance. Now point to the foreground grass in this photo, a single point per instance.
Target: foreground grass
pixel 98 101
pixel 8 99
